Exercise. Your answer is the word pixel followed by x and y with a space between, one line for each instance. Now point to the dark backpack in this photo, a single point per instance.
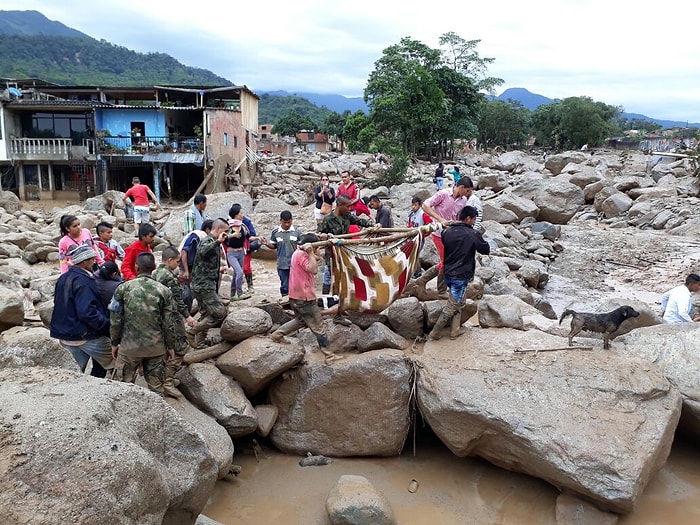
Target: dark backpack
pixel 192 251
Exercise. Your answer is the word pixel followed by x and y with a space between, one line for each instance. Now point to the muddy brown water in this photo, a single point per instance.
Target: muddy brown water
pixel 274 489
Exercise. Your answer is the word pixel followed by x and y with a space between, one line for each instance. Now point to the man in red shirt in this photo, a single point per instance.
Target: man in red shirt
pixel 140 193
pixel 147 234
pixel 302 296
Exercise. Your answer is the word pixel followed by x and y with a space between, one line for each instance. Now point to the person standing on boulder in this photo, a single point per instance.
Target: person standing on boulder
pixel 194 216
pixel 302 296
pixel 284 239
pixel 142 207
pixel 461 243
pixel 79 319
pixel 166 275
pixel 206 272
pixel 141 326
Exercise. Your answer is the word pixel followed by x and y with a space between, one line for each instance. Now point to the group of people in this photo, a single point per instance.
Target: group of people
pixel 139 315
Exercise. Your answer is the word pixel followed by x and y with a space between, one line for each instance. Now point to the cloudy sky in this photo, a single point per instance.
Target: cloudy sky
pixel 628 53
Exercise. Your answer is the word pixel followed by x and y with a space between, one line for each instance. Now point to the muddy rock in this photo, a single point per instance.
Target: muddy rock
pixel 244 322
pixel 214 435
pixel 406 317
pixel 11 308
pixel 256 361
pixel 64 431
pixel 503 311
pixel 219 396
pixel 320 410
pixel 675 349
pixel 33 346
pixel 597 424
pixel 379 336
pixel 353 499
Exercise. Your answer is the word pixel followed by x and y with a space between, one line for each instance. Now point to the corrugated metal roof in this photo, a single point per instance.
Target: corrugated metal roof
pixel 175 158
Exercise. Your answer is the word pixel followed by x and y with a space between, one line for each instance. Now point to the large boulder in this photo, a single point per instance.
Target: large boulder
pixel 599 424
pixel 33 346
pixel 11 308
pixel 244 322
pixel 675 349
pixel 406 317
pixel 321 412
pixel 354 500
pixel 219 396
pixel 214 435
pixel 10 201
pixel 76 449
pixel 255 362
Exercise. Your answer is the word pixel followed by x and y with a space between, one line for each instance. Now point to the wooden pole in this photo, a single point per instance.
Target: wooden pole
pixel 369 240
pixel 207 353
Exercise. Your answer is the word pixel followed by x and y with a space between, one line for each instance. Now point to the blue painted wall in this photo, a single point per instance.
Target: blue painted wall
pixel 118 121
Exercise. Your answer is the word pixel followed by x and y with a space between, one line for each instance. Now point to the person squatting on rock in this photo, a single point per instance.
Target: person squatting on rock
pixel 194 217
pixel 147 236
pixel 188 250
pixel 80 320
pixel 107 248
pixel 141 326
pixel 72 235
pixel 445 206
pixel 206 272
pixel 302 296
pixel 461 243
pixel 166 274
pixel 142 207
pixel 338 223
pixel 284 239
pixel 677 303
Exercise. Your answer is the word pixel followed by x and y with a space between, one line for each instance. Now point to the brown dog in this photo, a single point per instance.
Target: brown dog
pixel 605 324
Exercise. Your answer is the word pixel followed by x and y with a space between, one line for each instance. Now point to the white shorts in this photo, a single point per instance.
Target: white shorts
pixel 318 215
pixel 142 214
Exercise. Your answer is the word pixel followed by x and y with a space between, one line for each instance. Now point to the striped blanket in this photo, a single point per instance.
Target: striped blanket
pixel 369 277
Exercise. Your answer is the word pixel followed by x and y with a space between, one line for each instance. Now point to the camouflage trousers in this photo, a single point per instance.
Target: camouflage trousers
pixel 212 309
pixel 181 348
pixel 154 371
pixel 307 314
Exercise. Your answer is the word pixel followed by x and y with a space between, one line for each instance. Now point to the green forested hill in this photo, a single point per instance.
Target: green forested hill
pixel 274 107
pixel 75 61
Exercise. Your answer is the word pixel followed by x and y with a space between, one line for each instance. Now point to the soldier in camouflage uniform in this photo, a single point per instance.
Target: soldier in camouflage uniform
pixel 141 318
pixel 205 282
pixel 166 275
pixel 338 223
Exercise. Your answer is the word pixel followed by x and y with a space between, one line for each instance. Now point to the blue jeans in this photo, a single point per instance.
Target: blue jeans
pixel 327 274
pixel 438 183
pixel 99 349
pixel 235 260
pixel 283 274
pixel 457 287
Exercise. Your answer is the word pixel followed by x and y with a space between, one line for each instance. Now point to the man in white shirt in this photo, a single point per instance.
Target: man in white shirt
pixel 677 304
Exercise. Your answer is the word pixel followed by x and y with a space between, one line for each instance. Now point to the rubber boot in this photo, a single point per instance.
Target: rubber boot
pixel 249 280
pixel 451 308
pixel 416 287
pixel 326 289
pixel 456 327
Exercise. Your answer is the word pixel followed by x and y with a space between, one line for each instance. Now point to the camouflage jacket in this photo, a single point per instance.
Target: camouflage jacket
pixel 205 271
pixel 141 318
pixel 336 225
pixel 166 276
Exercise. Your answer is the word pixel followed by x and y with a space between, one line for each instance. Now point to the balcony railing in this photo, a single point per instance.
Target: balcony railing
pixel 30 149
pixel 142 145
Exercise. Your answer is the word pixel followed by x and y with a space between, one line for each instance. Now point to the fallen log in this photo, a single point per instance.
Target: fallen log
pixel 197 356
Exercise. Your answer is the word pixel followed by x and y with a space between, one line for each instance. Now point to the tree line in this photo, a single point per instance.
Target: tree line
pixel 428 102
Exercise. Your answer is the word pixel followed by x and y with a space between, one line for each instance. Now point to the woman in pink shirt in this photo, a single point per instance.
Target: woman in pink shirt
pixel 73 235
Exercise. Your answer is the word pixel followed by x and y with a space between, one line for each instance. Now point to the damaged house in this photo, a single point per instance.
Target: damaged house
pixel 74 142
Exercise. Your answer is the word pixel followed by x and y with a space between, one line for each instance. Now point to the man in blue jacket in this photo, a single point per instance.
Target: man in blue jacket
pixel 79 320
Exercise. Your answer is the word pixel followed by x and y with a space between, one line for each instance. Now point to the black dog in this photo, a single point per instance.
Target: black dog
pixel 605 324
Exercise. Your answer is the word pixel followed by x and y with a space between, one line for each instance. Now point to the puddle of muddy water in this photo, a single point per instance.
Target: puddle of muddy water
pixel 452 491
